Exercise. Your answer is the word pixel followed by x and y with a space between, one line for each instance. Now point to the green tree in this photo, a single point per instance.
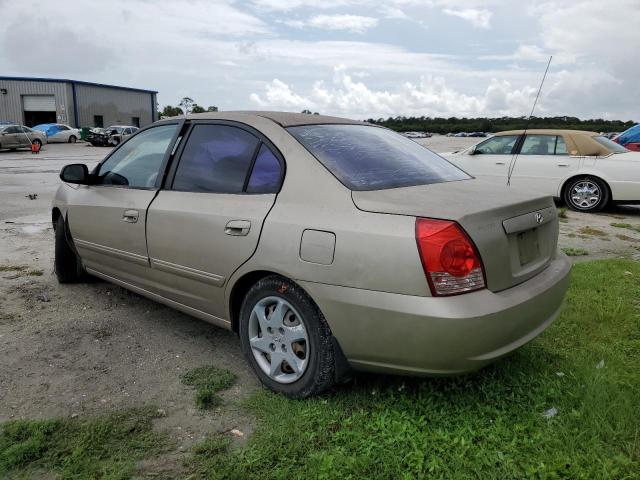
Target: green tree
pixel 195 108
pixel 187 104
pixel 169 111
pixel 212 109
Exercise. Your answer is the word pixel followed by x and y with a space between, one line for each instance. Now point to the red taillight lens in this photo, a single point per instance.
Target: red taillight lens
pixel 449 258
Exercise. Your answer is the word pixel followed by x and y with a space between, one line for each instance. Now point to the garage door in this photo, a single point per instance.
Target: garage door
pixel 39 103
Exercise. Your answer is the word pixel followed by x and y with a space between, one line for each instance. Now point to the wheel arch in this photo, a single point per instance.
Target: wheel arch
pixel 240 288
pixel 55 215
pixel 596 175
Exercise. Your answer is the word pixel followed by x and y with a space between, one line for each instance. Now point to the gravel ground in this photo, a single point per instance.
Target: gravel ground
pixel 82 349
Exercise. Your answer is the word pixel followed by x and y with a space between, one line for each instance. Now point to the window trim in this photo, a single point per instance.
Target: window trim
pixel 163 165
pixel 262 139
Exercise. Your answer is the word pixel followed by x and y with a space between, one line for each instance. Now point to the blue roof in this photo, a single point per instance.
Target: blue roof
pixel 77 82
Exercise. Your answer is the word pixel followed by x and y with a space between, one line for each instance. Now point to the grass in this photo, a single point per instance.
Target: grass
pixel 485 425
pixel 635 228
pixel 575 252
pixel 592 232
pixel 105 447
pixel 208 381
pixel 21 269
pixel 490 424
pixel 562 212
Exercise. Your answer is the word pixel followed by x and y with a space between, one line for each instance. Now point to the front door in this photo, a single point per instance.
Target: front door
pixel 9 137
pixel 490 159
pixel 107 219
pixel 207 221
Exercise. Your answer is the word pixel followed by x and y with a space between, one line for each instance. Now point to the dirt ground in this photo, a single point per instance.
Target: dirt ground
pixel 85 349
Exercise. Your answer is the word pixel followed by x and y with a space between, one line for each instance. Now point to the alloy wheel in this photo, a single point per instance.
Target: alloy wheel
pixel 278 339
pixel 585 194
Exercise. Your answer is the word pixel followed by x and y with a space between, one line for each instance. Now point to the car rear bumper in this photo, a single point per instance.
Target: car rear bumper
pixel 394 333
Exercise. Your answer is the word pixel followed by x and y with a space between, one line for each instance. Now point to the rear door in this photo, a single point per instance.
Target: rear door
pixel 207 221
pixel 490 159
pixel 542 164
pixel 107 220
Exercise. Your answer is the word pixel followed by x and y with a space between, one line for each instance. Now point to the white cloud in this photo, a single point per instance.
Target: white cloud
pixel 479 18
pixel 432 96
pixel 351 23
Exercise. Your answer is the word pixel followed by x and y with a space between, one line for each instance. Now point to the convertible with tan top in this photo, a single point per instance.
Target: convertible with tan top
pixel 327 244
pixel 584 169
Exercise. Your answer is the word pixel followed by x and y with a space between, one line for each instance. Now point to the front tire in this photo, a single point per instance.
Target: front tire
pixel 586 194
pixel 285 338
pixel 67 264
pixel 73 139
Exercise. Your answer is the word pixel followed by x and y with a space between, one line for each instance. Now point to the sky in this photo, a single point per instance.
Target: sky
pixel 355 58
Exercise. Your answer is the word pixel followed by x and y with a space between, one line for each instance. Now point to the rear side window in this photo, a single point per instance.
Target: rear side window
pixel 539 145
pixel 371 158
pixel 215 159
pixel 266 174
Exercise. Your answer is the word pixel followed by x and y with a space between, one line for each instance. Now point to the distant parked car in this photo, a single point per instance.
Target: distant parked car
pixel 476 134
pixel 630 139
pixel 13 137
pixel 417 134
pixel 110 136
pixel 585 169
pixel 58 132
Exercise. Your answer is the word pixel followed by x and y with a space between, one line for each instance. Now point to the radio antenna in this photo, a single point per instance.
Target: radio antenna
pixel 514 159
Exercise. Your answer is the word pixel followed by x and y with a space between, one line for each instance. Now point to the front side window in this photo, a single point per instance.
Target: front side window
pixel 539 145
pixel 371 158
pixel 215 159
pixel 502 145
pixel 137 162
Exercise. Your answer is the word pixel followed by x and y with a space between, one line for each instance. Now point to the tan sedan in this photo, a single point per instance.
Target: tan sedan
pixel 327 244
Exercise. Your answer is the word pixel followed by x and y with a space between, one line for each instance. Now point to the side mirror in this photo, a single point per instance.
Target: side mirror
pixel 472 150
pixel 75 173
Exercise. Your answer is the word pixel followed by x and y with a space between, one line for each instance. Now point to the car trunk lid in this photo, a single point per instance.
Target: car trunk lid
pixel 516 233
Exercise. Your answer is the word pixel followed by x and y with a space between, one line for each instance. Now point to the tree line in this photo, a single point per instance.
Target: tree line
pixel 483 124
pixel 187 105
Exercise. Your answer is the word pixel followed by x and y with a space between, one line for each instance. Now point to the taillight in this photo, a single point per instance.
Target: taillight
pixel 449 258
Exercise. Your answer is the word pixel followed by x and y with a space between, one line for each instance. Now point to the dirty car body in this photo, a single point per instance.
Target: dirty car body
pixel 110 136
pixel 327 244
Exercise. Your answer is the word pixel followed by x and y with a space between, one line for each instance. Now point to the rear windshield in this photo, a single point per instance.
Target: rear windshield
pixel 610 144
pixel 371 158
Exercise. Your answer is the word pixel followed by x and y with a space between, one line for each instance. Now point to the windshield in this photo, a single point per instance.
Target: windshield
pixel 610 144
pixel 371 158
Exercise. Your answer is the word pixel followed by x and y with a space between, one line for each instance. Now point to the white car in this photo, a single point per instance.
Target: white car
pixel 58 132
pixel 585 169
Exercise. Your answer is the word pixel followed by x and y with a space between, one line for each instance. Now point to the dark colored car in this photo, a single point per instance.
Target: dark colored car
pixel 110 136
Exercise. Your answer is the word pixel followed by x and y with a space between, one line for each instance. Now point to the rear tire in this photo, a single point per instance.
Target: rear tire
pixel 300 316
pixel 586 194
pixel 73 139
pixel 67 265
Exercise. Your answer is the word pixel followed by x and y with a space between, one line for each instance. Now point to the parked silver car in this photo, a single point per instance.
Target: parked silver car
pixel 327 244
pixel 13 137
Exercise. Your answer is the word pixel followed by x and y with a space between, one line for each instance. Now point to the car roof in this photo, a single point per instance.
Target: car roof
pixel 284 119
pixel 579 142
pixel 548 131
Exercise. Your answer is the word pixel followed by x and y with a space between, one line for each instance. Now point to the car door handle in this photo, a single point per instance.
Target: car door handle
pixel 500 163
pixel 563 164
pixel 130 216
pixel 237 227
